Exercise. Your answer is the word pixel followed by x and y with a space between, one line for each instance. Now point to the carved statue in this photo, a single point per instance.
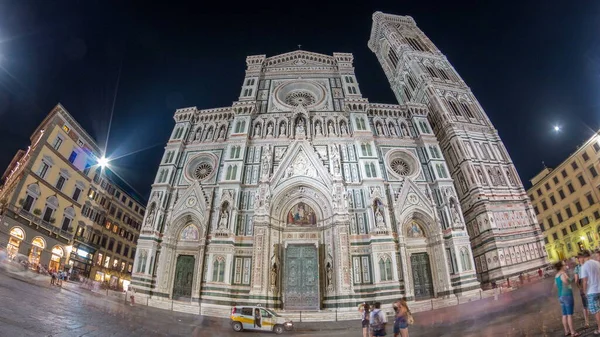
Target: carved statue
pixel 274 275
pixel 330 129
pixel 220 133
pixel 379 219
pixel 329 275
pixel 289 171
pixel 300 128
pixel 318 130
pixel 282 130
pixel 151 215
pixel 198 132
pixel 224 218
pixel 266 162
pixel 392 130
pixel 257 130
pixel 455 215
pixel 344 129
pixel 270 130
pixel 209 134
pixel 379 130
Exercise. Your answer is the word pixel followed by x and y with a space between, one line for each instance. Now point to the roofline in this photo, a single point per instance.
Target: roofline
pixel 564 162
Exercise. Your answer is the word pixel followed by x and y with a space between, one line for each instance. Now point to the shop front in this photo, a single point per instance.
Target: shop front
pixel 14 242
pixel 35 253
pixel 56 258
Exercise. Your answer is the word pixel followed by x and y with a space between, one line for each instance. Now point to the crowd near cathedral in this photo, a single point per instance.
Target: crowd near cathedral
pixel 304 195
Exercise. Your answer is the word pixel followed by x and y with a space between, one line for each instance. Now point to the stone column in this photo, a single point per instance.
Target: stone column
pixel 260 257
pixel 197 289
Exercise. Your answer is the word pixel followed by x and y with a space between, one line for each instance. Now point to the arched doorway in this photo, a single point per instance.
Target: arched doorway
pixel 57 255
pixel 420 263
pixel 184 277
pixel 37 246
pixel 14 242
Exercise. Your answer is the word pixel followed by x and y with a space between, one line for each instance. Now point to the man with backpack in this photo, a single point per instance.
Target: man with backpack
pixel 378 320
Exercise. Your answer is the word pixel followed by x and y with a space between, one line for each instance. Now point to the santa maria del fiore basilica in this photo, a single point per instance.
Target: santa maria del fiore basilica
pixel 304 195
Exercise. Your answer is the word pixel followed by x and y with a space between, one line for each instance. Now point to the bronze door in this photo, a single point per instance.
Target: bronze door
pixel 184 277
pixel 301 279
pixel 421 271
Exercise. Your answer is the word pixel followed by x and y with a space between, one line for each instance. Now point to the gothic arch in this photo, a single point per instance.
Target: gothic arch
pixel 421 217
pixel 180 223
pixel 297 189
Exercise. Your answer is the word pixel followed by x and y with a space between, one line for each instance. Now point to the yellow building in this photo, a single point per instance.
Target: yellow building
pixel 565 200
pixel 49 212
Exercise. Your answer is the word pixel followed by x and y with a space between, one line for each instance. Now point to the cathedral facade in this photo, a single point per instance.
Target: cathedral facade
pixel 303 195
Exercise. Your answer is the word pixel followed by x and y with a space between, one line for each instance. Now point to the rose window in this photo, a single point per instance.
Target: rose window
pixel 297 98
pixel 400 166
pixel 202 171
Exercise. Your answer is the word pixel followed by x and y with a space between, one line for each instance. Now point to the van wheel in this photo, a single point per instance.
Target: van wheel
pixel 278 329
pixel 237 326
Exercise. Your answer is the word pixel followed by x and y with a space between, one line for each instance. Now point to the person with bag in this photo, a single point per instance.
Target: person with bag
pixel 378 320
pixel 402 319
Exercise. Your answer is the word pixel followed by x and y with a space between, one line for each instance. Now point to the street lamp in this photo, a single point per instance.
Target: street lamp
pixel 556 128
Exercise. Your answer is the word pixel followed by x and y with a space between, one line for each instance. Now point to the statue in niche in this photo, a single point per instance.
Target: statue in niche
pixel 220 133
pixel 266 162
pixel 270 129
pixel 274 275
pixel 318 130
pixel 379 219
pixel 405 132
pixel 151 215
pixel 330 129
pixel 282 129
pixel 455 213
pixel 224 218
pixel 197 135
pixel 335 158
pixel 329 272
pixel 344 129
pixel 209 134
pixel 379 130
pixel 257 130
pixel 300 127
pixel 392 130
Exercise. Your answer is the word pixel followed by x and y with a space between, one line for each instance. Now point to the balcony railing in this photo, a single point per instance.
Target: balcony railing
pixel 34 219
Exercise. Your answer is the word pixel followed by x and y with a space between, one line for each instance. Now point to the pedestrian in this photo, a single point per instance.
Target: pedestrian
pixel 521 279
pixel 53 279
pixel 402 318
pixel 364 312
pixel 378 320
pixel 590 276
pixel 565 297
pixel 131 295
pixel 584 302
pixel 540 273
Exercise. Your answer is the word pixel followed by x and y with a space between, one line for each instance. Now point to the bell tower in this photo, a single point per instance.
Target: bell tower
pixel 505 237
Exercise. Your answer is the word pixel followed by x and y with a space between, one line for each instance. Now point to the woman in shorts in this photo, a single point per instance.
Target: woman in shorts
pixel 365 312
pixel 401 318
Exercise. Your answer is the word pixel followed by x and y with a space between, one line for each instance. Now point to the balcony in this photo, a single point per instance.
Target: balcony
pixel 34 220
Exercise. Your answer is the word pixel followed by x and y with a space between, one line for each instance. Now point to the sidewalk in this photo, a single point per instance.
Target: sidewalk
pixel 471 311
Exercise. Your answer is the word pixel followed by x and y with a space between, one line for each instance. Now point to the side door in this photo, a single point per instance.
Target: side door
pixel 268 320
pixel 247 318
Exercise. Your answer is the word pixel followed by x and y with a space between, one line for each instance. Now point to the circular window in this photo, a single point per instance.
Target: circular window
pixel 202 171
pixel 201 167
pixel 400 166
pixel 402 163
pixel 297 98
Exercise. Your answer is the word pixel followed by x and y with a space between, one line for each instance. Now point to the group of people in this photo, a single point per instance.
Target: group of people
pixel 57 277
pixel 374 320
pixel 586 276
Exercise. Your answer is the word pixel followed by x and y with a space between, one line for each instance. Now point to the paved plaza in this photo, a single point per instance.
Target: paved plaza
pixel 30 309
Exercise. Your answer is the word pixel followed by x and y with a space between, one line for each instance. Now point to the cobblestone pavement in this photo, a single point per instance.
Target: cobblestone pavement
pixel 32 310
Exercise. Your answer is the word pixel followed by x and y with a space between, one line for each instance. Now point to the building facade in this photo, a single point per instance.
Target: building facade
pixel 503 229
pixel 303 195
pixel 48 205
pixel 565 200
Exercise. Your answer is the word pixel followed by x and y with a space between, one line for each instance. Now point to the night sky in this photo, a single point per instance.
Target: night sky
pixel 531 64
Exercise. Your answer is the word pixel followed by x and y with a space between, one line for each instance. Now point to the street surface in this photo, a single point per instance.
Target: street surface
pixel 32 310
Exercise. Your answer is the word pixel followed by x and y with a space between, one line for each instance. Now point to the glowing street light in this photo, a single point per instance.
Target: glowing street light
pixel 103 162
pixel 556 128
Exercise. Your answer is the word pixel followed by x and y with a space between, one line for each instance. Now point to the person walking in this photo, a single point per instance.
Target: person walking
pixel 402 319
pixel 584 302
pixel 565 296
pixel 364 310
pixel 590 276
pixel 378 320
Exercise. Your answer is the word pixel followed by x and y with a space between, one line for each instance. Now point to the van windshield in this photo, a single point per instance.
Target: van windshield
pixel 272 313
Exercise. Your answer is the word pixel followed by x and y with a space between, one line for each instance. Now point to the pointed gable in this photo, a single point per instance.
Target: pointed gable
pixel 411 196
pixel 301 160
pixel 193 199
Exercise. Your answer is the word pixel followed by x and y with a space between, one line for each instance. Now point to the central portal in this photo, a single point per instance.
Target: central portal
pixel 301 278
